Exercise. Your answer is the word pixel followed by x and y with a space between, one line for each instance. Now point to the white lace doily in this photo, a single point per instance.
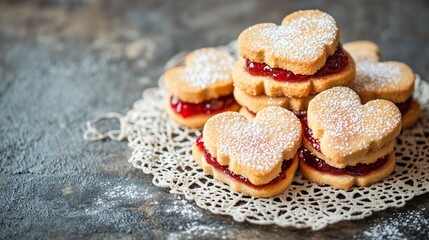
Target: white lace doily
pixel 163 148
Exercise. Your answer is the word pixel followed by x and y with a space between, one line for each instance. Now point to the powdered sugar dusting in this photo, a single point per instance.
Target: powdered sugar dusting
pixel 164 151
pixel 119 195
pixel 348 125
pixel 364 55
pixel 259 145
pixel 275 101
pixel 371 76
pixel 185 209
pixel 208 66
pixel 203 231
pixel 301 39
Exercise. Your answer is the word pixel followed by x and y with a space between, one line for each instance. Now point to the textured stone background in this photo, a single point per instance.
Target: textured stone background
pixel 65 62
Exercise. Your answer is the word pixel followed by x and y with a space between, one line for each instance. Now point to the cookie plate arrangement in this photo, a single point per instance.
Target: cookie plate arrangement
pixel 164 149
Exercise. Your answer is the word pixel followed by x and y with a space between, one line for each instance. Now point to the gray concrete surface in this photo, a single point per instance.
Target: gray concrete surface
pixel 65 62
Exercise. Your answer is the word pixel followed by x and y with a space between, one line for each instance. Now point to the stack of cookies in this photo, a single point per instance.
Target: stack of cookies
pixel 288 65
pixel 258 158
pixel 349 114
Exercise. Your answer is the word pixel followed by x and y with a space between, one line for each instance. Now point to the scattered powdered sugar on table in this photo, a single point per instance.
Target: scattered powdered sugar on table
pixel 118 195
pixel 190 230
pixel 393 227
pixel 129 192
pixel 208 66
pixel 185 209
pixel 372 76
pixel 300 39
pixel 193 226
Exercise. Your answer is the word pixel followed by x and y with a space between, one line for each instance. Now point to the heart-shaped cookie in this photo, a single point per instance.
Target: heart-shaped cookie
pixel 206 75
pixel 363 51
pixel 301 44
pixel 346 129
pixel 393 81
pixel 254 150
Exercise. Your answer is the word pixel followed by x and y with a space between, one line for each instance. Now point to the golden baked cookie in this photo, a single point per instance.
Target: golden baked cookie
pixel 301 44
pixel 206 75
pixel 393 81
pixel 256 103
pixel 346 181
pixel 201 88
pixel 247 113
pixel 268 190
pixel 251 115
pixel 411 116
pixel 346 129
pixel 363 51
pixel 370 157
pixel 299 58
pixel 258 151
pixel 346 143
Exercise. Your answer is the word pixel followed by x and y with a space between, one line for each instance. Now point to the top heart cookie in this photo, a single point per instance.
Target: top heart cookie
pixel 206 75
pixel 346 129
pixel 254 150
pixel 301 44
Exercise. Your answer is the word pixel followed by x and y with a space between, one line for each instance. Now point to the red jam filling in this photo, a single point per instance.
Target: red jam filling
pixel 308 134
pixel 207 107
pixel 335 63
pixel 253 113
pixel 405 106
pixel 212 161
pixel 360 169
pixel 301 114
pixel 298 114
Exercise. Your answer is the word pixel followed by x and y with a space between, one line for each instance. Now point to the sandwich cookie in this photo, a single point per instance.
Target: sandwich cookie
pixel 301 57
pixel 393 81
pixel 346 143
pixel 201 88
pixel 257 158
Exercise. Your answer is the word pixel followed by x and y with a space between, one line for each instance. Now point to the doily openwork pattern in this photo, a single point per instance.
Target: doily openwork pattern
pixel 163 148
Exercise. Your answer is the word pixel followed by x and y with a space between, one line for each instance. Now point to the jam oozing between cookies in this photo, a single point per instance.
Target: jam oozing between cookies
pixel 334 64
pixel 212 161
pixel 253 113
pixel 360 169
pixel 298 114
pixel 405 106
pixel 207 107
pixel 308 134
